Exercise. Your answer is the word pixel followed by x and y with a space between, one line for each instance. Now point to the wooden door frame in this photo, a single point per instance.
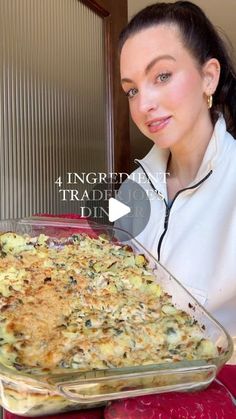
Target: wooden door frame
pixel 114 13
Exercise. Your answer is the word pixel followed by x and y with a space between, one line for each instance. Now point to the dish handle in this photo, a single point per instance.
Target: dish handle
pixel 136 384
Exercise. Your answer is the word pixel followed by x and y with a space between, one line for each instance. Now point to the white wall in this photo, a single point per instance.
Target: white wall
pixel 221 13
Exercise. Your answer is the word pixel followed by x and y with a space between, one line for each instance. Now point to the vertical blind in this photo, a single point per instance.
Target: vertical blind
pixel 52 103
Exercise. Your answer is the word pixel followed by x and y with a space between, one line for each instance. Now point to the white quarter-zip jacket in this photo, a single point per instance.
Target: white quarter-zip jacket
pixel 195 237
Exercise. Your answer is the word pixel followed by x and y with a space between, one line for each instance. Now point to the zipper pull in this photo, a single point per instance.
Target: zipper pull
pixel 161 196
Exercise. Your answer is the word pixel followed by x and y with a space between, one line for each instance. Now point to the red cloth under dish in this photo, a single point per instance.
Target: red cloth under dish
pixel 227 376
pixel 83 414
pixel 213 403
pixel 69 216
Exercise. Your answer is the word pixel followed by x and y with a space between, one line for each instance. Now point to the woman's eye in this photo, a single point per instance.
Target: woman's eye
pixel 131 93
pixel 163 77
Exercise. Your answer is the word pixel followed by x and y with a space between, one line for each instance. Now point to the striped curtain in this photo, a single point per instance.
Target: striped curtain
pixel 52 104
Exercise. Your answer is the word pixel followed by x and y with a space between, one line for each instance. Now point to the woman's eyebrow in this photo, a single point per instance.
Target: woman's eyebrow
pixel 150 65
pixel 155 60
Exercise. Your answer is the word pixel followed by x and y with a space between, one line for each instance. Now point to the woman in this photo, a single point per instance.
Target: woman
pixel 181 87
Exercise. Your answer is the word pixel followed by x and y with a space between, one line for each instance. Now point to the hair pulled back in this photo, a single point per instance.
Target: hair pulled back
pixel 202 40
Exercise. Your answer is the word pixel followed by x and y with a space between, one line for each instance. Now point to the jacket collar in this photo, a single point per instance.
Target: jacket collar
pixel 155 162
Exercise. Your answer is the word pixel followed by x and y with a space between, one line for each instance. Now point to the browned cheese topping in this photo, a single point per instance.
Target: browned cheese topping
pixel 86 303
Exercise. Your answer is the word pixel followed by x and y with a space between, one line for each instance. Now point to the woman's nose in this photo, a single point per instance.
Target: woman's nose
pixel 148 101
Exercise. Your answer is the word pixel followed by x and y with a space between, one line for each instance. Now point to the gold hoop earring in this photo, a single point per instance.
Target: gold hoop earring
pixel 209 101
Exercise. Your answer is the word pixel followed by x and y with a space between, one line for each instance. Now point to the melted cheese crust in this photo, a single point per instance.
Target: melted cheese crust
pixel 86 303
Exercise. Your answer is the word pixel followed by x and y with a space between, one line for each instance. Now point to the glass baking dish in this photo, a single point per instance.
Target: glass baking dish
pixel 37 393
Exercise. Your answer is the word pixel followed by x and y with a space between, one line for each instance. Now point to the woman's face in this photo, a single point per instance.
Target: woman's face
pixel 164 85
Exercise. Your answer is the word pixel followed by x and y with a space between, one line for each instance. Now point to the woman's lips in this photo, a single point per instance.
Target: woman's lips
pixel 157 124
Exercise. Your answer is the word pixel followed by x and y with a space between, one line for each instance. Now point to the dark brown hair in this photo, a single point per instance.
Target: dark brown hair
pixel 202 40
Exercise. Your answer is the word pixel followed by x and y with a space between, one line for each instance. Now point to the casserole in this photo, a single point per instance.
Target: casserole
pixel 31 390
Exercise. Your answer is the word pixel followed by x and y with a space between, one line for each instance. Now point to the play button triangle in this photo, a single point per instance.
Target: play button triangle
pixel 117 209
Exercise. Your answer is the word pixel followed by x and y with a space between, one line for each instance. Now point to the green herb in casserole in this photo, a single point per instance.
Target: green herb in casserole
pixel 85 303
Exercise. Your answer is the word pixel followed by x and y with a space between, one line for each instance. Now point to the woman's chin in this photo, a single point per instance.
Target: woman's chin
pixel 162 143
